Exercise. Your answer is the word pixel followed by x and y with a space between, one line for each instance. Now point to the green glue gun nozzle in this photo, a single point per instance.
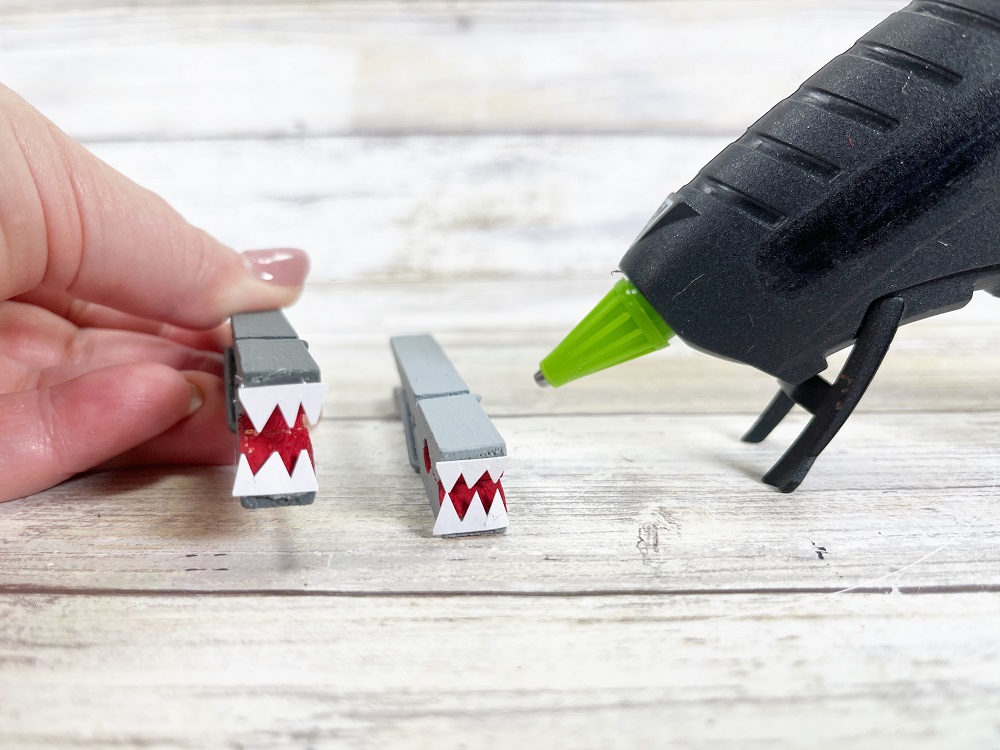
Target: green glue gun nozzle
pixel 623 326
pixel 868 199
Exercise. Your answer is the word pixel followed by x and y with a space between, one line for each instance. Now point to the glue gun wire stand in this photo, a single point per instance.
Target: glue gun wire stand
pixel 868 199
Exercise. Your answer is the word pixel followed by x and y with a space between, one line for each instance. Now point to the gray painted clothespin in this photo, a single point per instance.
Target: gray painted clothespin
pixel 452 444
pixel 272 392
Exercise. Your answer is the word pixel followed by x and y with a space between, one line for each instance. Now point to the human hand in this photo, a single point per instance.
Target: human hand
pixel 111 313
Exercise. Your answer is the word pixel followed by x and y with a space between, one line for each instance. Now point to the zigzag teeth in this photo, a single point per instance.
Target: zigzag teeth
pixel 304 475
pixel 496 467
pixel 476 520
pixel 313 395
pixel 273 478
pixel 260 402
pixel 289 409
pixel 447 521
pixel 498 514
pixel 472 469
pixel 449 472
pixel 475 516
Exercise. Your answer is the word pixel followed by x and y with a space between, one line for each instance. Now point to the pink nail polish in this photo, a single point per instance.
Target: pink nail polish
pixel 197 398
pixel 284 266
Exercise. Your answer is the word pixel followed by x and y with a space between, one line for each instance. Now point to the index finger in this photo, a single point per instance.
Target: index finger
pixel 70 222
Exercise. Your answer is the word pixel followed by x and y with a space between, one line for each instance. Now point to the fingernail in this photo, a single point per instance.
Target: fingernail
pixel 197 398
pixel 283 266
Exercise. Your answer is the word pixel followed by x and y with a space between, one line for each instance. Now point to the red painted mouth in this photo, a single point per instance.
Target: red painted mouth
pixel 276 437
pixel 462 494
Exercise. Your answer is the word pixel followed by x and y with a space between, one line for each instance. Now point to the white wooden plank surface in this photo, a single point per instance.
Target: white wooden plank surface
pixel 425 208
pixel 613 503
pixel 859 671
pixel 183 70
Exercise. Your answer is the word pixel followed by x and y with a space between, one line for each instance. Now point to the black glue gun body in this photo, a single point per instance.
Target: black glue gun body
pixel 868 199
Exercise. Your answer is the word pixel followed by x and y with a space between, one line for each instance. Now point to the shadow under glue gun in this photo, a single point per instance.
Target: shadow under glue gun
pixel 868 199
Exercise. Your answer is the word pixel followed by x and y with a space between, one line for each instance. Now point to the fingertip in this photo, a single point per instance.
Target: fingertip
pixel 282 266
pixel 273 278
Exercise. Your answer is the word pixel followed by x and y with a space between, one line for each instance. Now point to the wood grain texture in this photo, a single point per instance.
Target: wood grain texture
pixel 177 71
pixel 612 503
pixel 425 208
pixel 863 671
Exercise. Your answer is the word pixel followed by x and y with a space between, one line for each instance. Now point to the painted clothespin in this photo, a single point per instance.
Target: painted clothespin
pixel 272 392
pixel 452 444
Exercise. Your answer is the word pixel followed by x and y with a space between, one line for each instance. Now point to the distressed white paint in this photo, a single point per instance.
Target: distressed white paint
pixel 292 69
pixel 734 671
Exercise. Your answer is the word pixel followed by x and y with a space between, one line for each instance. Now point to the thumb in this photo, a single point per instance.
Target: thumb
pixel 53 433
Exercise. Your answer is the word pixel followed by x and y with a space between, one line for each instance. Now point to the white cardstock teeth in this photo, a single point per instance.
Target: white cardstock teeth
pixel 260 402
pixel 273 478
pixel 471 468
pixel 476 519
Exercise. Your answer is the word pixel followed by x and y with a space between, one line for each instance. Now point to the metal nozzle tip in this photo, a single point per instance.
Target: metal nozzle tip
pixel 540 379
